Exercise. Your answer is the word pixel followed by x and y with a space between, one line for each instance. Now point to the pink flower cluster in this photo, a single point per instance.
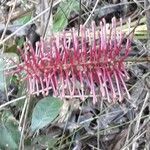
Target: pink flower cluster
pixel 87 65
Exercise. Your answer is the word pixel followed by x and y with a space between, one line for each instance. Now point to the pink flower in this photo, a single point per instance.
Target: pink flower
pixel 89 65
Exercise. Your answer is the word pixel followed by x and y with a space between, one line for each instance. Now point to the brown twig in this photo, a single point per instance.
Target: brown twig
pixel 9 17
pixel 48 19
pixel 141 59
pixel 20 14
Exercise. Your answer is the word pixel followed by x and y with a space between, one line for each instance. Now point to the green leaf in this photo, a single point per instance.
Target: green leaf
pixel 11 49
pixel 47 140
pixel 20 41
pixel 9 132
pixel 23 20
pixel 60 22
pixel 63 13
pixel 45 111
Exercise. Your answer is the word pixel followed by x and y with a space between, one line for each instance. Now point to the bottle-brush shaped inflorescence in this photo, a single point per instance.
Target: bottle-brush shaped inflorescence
pixel 89 64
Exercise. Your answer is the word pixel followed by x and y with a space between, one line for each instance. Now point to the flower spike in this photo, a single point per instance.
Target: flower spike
pixel 89 64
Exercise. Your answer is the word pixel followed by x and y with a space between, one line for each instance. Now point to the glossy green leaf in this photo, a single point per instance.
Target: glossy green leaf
pixel 45 111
